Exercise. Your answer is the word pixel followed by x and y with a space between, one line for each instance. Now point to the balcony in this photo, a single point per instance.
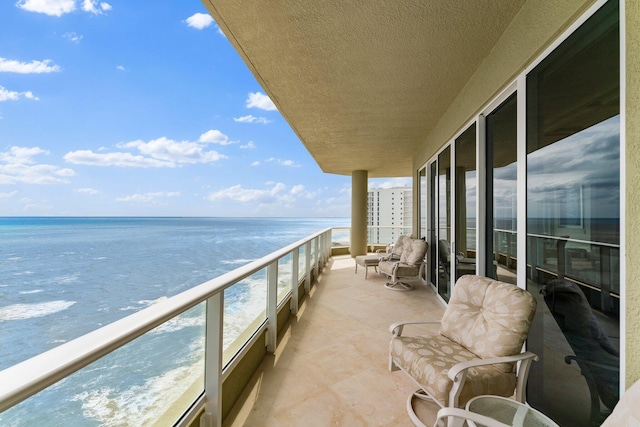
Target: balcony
pixel 330 366
pixel 316 354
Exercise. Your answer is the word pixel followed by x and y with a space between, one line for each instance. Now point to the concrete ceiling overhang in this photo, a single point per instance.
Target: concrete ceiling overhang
pixel 362 83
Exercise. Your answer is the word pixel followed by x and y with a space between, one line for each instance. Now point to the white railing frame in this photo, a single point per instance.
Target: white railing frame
pixel 25 379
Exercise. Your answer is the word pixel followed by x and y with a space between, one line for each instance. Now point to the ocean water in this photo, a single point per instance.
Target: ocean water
pixel 63 277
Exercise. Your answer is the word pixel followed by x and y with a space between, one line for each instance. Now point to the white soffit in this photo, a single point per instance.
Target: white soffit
pixel 362 83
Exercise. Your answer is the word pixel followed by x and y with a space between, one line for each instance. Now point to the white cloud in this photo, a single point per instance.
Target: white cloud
pixel 261 101
pixel 18 166
pixel 92 6
pixel 199 20
pixel 33 67
pixel 72 36
pixel 147 197
pixel 297 189
pixel 256 163
pixel 7 195
pixel 157 153
pixel 21 155
pixel 9 95
pixel 282 162
pixel 239 194
pixel 214 136
pixel 120 67
pixel 249 145
pixel 252 119
pixel 87 190
pixel 173 151
pixel 88 157
pixel 48 7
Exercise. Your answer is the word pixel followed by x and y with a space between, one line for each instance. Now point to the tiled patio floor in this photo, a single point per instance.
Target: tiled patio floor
pixel 330 368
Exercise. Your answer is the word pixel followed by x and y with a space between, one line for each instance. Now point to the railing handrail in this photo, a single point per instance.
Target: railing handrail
pixel 33 375
pixel 568 239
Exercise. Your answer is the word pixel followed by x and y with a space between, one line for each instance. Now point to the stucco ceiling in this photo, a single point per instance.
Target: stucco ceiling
pixel 362 83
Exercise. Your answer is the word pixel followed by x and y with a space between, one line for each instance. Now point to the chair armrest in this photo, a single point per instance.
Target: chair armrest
pixel 396 328
pixel 468 415
pixel 461 367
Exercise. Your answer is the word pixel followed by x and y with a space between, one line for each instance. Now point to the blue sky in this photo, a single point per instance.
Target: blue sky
pixel 118 108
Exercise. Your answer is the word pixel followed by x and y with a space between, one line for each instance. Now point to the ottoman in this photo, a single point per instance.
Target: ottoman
pixel 367 261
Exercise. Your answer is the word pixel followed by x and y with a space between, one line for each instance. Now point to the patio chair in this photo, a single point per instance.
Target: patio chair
pixel 595 355
pixel 392 252
pixel 410 265
pixel 462 265
pixel 475 351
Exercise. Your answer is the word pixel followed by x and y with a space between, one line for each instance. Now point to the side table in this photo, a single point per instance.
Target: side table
pixel 509 412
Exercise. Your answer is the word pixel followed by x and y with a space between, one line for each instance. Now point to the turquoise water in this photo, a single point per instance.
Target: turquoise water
pixel 63 277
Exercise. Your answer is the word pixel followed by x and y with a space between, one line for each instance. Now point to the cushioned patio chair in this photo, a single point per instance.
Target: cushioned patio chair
pixel 462 265
pixel 476 350
pixel 595 354
pixel 392 252
pixel 410 264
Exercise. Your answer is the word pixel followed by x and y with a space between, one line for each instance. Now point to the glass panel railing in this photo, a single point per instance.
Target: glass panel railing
pixel 149 381
pixel 156 376
pixel 244 311
pixel 285 279
pixel 340 236
pixel 592 264
pixel 302 259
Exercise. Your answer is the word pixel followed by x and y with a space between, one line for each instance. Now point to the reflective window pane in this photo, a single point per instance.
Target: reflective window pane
pixel 502 156
pixel 444 221
pixel 465 197
pixel 573 223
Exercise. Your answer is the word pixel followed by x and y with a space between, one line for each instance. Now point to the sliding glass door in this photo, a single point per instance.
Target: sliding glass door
pixel 444 221
pixel 573 223
pixel 464 244
pixel 501 213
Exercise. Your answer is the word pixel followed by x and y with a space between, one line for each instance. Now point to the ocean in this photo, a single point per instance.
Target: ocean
pixel 62 277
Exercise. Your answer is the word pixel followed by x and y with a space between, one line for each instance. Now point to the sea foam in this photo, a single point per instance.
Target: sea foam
pixel 27 311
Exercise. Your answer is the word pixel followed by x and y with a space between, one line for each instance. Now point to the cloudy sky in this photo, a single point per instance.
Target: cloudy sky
pixel 118 108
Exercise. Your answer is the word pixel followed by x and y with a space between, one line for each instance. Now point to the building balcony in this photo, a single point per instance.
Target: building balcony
pixel 330 366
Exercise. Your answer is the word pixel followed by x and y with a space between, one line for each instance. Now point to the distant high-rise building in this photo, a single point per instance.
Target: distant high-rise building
pixel 392 210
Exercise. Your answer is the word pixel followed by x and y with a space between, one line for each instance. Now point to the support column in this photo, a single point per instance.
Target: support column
pixel 359 191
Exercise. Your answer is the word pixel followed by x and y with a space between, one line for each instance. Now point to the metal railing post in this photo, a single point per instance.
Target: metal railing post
pixel 272 306
pixel 307 267
pixel 295 263
pixel 212 416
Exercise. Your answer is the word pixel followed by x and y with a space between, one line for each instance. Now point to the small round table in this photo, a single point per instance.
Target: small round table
pixel 509 411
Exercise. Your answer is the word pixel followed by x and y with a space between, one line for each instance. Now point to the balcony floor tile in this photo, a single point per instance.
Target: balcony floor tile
pixel 330 368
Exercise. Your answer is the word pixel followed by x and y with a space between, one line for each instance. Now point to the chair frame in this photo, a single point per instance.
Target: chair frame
pixel 458 373
pixel 396 284
pixel 456 418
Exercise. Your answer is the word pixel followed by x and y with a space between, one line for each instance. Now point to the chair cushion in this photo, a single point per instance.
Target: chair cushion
pixel 367 260
pixel 428 359
pixel 488 317
pixel 414 251
pixel 398 247
pixel 403 270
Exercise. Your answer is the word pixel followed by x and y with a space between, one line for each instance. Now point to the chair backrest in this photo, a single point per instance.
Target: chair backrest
pixel 413 251
pixel 398 247
pixel 488 317
pixel 444 251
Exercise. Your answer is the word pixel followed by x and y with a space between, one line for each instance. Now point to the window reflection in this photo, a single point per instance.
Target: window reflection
pixel 573 223
pixel 444 218
pixel 502 157
pixel 465 196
